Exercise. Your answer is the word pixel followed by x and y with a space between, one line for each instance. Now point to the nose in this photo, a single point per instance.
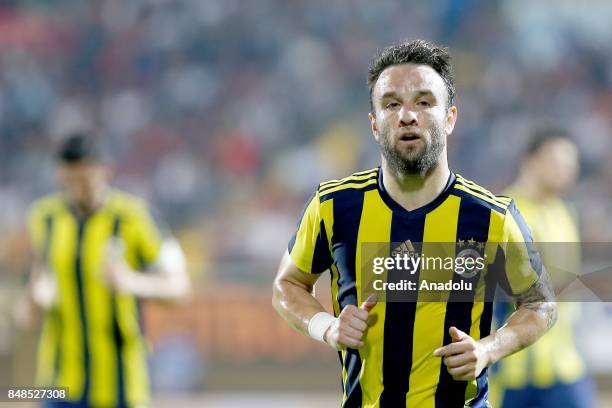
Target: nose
pixel 407 118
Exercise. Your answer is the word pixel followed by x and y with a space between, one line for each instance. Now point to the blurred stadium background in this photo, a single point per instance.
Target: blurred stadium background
pixel 226 114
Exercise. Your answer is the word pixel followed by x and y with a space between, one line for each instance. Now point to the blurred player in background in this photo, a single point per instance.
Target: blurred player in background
pixel 551 373
pixel 411 353
pixel 97 251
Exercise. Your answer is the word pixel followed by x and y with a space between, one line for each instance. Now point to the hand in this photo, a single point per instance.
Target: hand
pixel 25 313
pixel 44 289
pixel 117 275
pixel 116 272
pixel 465 358
pixel 347 330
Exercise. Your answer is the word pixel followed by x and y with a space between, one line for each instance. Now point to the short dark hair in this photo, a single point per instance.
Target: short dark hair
pixel 78 147
pixel 542 135
pixel 413 52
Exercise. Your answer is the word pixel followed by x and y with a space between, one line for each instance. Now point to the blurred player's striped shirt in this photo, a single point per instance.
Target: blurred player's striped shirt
pixel 91 340
pixel 395 367
pixel 554 358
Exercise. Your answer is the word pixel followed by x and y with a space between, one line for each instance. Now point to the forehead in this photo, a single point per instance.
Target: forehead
pixel 561 146
pixel 84 167
pixel 408 78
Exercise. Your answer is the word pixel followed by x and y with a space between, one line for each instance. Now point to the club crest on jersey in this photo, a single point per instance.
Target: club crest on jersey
pixel 470 259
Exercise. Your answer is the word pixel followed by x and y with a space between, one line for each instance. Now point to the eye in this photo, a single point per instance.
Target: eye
pixel 392 105
pixel 423 103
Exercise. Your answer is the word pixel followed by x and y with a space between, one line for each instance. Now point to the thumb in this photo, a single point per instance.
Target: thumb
pixel 369 303
pixel 456 334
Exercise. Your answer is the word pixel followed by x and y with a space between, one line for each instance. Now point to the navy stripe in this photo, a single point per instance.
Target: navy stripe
pixel 54 314
pixel 117 335
pixel 142 266
pixel 399 316
pixel 491 285
pixel 78 267
pixel 47 239
pixel 321 257
pixel 482 382
pixel 347 211
pixel 472 227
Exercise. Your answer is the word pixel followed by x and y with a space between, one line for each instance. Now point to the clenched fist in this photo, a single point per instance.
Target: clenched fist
pixel 347 330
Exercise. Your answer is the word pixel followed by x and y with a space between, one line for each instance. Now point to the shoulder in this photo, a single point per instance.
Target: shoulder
pixel 127 204
pixel 45 206
pixel 352 185
pixel 469 190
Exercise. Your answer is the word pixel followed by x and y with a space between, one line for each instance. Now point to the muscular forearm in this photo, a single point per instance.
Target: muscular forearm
pixel 522 329
pixel 295 303
pixel 167 278
pixel 154 285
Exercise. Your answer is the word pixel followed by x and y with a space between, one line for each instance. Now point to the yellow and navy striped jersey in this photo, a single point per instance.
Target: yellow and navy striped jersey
pixel 539 365
pixel 91 341
pixel 396 367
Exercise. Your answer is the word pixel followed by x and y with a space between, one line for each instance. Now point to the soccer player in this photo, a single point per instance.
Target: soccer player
pixel 425 353
pixel 551 373
pixel 97 252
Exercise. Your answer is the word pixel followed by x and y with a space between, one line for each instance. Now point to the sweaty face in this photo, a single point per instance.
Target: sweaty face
pixel 84 183
pixel 411 120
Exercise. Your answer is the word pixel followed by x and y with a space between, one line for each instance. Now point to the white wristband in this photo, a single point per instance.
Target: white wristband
pixel 318 325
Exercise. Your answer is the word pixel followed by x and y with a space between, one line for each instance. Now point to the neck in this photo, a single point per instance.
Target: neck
pixel 84 210
pixel 413 191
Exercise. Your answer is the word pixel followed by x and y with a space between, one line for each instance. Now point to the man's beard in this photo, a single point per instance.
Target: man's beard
pixel 414 162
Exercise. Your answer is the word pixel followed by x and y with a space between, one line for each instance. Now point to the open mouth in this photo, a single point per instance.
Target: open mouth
pixel 409 137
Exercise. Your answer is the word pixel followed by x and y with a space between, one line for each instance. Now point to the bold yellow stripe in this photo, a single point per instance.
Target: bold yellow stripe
pixel 481 196
pixel 440 227
pixel 62 258
pixel 47 350
pixel 356 176
pixel 350 185
pixel 571 367
pixel 103 363
pixel 134 355
pixel 495 227
pixel 514 372
pixel 374 227
pixel 303 248
pixel 543 361
pixel 327 215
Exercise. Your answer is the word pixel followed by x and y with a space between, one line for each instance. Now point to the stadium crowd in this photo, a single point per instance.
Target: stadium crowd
pixel 226 114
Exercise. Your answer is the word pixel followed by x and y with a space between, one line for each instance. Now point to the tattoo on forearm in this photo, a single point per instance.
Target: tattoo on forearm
pixel 540 298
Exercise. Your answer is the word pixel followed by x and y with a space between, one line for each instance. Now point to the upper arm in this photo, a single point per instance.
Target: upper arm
pixel 144 238
pixel 39 230
pixel 288 272
pixel 521 263
pixel 525 277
